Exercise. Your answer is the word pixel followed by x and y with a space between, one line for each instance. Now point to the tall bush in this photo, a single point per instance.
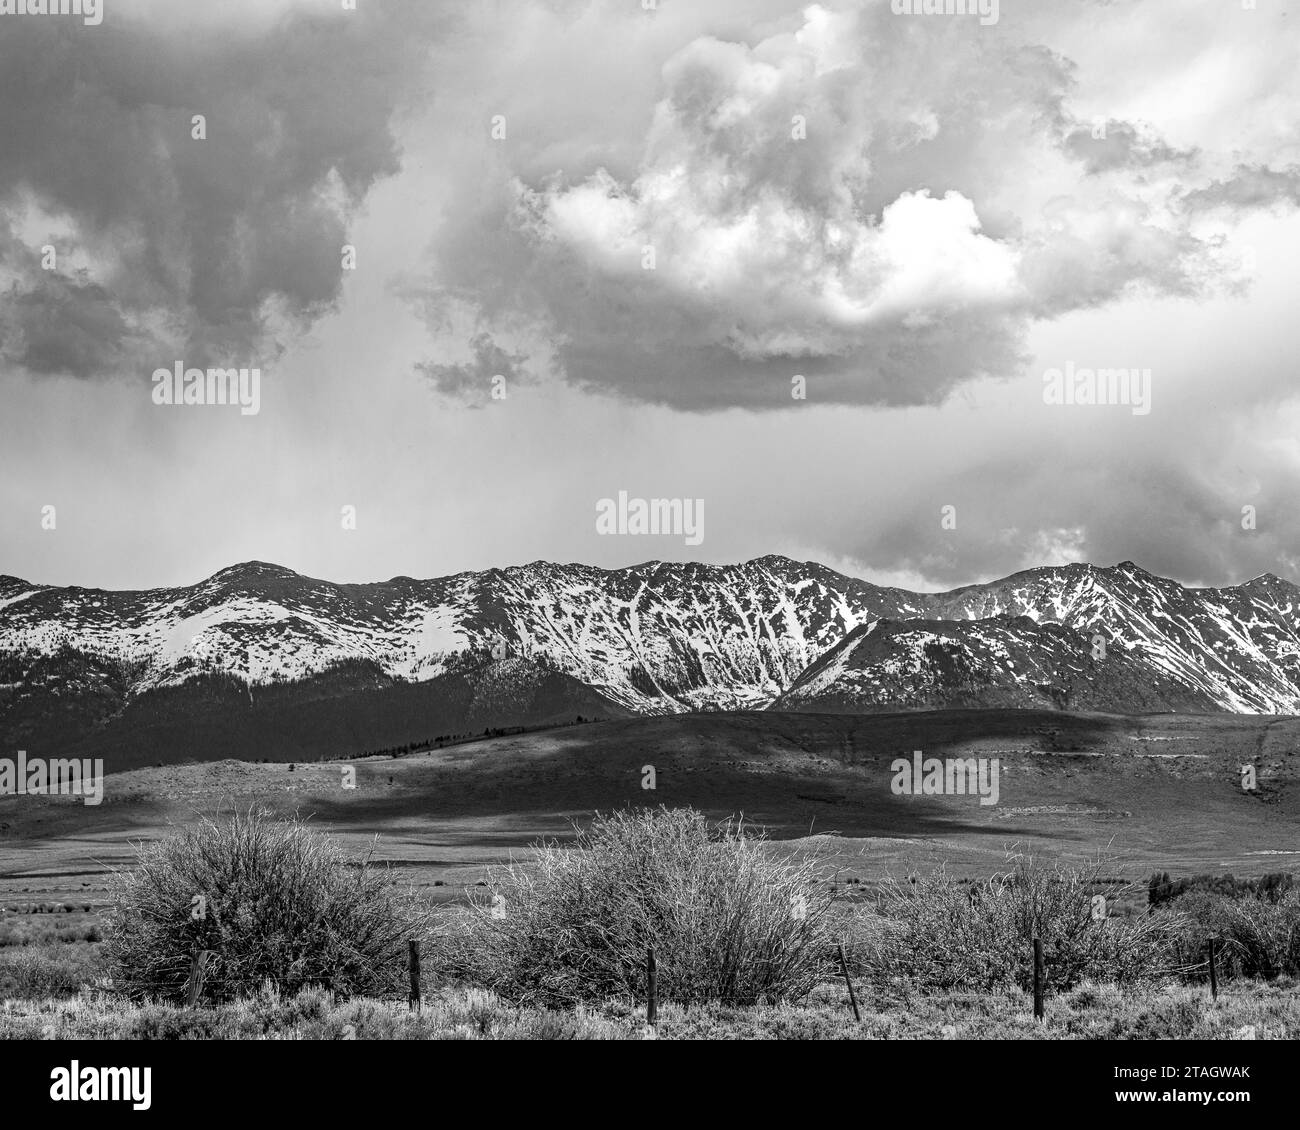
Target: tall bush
pixel 936 933
pixel 729 919
pixel 272 900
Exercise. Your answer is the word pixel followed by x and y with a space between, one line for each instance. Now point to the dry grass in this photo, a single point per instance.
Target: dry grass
pixel 1245 1010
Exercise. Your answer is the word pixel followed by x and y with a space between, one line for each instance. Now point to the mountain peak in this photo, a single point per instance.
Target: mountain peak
pixel 1269 582
pixel 247 571
pixel 1132 571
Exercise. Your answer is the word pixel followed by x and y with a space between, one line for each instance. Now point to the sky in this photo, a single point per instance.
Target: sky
pixel 808 267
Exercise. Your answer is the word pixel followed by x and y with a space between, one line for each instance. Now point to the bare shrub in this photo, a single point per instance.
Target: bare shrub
pixel 936 933
pixel 280 903
pixel 729 920
pixel 1264 936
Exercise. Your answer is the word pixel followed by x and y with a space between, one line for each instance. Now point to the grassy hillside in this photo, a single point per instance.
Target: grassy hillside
pixel 341 712
pixel 1159 791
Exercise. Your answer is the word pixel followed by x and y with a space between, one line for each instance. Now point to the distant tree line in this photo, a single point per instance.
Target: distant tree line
pixel 441 740
pixel 1269 888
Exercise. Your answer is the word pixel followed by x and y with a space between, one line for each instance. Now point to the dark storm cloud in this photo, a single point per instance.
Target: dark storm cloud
pixel 51 322
pixel 473 380
pixel 1015 508
pixel 206 246
pixel 63 326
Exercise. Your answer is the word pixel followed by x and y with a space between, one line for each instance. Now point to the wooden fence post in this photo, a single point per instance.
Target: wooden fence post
pixel 652 986
pixel 198 971
pixel 1214 975
pixel 853 997
pixel 1038 978
pixel 413 1001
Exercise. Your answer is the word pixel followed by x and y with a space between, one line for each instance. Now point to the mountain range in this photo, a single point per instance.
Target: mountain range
pixel 260 661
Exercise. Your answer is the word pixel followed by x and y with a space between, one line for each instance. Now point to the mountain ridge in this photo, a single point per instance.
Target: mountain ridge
pixel 651 638
pixel 653 562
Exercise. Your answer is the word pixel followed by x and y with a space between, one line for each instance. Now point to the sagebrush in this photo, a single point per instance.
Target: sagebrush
pixel 938 934
pixel 272 901
pixel 728 920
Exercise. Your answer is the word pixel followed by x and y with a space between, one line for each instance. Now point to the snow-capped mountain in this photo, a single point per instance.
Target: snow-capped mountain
pixel 658 638
pixel 655 637
pixel 1001 661
pixel 1237 648
pixel 1075 637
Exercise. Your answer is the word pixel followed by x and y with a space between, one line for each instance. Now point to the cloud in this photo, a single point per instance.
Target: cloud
pixel 949 212
pixel 1111 144
pixel 1250 186
pixel 216 248
pixel 882 205
pixel 473 380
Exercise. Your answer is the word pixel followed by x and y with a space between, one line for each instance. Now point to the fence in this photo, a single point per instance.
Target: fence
pixel 201 960
pixel 1039 979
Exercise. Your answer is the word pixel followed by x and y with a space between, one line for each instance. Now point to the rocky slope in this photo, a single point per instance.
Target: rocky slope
pixel 654 638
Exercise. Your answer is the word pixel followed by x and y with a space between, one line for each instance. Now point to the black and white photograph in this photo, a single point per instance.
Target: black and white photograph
pixel 650 520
